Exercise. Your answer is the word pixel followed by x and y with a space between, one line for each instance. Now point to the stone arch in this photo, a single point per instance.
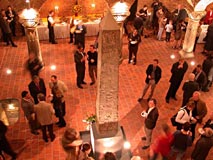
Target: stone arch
pixel 201 6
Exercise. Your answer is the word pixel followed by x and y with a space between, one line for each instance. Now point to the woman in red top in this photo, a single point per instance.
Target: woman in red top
pixel 162 144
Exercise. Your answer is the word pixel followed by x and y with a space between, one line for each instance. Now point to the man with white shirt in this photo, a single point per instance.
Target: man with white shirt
pixel 151 117
pixel 51 24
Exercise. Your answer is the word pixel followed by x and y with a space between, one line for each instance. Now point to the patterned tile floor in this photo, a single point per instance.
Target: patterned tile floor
pixel 80 102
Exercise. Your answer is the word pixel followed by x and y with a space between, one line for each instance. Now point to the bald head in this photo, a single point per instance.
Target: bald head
pixel 196 96
pixel 191 77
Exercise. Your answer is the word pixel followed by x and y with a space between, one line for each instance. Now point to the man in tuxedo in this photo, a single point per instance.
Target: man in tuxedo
pixel 51 23
pixel 79 33
pixel 37 86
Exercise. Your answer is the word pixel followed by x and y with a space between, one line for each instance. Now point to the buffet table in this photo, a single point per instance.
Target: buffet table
pixel 62 30
pixel 204 29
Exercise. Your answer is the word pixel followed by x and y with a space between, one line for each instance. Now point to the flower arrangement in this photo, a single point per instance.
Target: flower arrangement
pixel 77 8
pixel 90 118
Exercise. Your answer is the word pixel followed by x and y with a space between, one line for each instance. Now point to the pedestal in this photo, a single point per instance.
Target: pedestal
pixel 33 42
pixel 190 36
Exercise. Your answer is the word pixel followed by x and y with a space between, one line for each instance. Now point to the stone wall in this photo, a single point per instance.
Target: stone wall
pixel 65 6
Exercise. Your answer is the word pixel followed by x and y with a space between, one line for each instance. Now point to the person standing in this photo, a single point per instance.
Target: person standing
pixel 27 104
pixel 4 144
pixel 209 37
pixel 199 111
pixel 189 87
pixel 92 57
pixel 51 23
pixel 37 86
pixel 57 84
pixel 153 76
pixel 200 77
pixel 134 40
pixel 6 31
pixel 44 112
pixel 169 28
pixel 203 145
pixel 162 144
pixel 11 15
pixel 151 117
pixel 79 33
pixel 33 65
pixel 209 16
pixel 178 70
pixel 80 57
pixel 182 140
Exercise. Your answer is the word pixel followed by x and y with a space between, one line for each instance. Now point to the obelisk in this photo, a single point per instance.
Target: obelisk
pixel 109 50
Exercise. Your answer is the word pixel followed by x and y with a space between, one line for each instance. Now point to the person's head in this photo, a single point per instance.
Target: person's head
pixel 80 47
pixel 53 78
pixel 179 6
pixel 9 8
pixel 109 156
pixel 3 12
pixel 152 102
pixel 155 62
pixel 36 79
pixel 181 60
pixel 86 147
pixel 135 32
pixel 191 76
pixel 51 13
pixel 196 96
pixel 145 7
pixel 41 97
pixel 170 21
pixel 186 126
pixel 71 134
pixel 25 94
pixel 190 105
pixel 208 132
pixel 165 128
pixel 92 48
pixel 199 68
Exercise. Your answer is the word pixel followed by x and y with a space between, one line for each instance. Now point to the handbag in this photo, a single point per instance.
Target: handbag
pixel 172 119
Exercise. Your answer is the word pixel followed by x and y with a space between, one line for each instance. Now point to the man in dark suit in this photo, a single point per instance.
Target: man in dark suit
pixel 80 57
pixel 151 117
pixel 6 31
pixel 11 15
pixel 189 87
pixel 200 77
pixel 37 86
pixel 153 75
pixel 178 70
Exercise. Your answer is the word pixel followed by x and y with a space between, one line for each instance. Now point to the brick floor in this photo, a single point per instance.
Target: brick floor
pixel 80 102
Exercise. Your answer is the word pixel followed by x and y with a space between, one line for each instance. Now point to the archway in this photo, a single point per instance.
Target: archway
pixel 201 6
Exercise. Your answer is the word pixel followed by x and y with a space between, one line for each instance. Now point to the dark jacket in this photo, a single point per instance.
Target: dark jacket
pixel 157 73
pixel 151 120
pixel 202 148
pixel 34 90
pixel 188 89
pixel 207 65
pixel 201 79
pixel 178 73
pixel 4 25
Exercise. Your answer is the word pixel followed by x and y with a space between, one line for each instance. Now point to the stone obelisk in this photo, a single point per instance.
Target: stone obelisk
pixel 109 50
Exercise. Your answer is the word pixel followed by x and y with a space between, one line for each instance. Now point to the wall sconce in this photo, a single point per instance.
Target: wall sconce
pixel 9 110
pixel 56 9
pixel 93 4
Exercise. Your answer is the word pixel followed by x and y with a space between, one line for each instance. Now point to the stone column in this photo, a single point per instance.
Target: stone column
pixel 190 36
pixel 33 42
pixel 109 50
pixel 29 18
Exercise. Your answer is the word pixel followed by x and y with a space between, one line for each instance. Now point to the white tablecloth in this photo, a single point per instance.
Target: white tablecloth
pixel 63 30
pixel 204 29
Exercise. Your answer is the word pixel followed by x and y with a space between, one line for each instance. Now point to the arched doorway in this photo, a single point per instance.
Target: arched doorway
pixel 201 6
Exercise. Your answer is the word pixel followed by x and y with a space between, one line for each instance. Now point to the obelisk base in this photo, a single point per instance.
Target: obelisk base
pixel 185 54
